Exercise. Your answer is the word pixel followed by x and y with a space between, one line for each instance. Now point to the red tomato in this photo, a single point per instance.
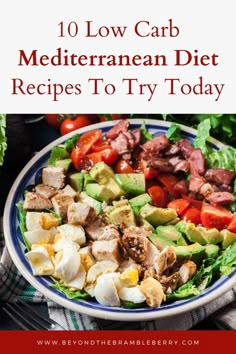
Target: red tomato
pixel 191 214
pixel 68 125
pixel 169 181
pixel 149 172
pixel 76 156
pixel 109 156
pixel 179 205
pixel 215 216
pixel 112 116
pixel 194 202
pixel 232 225
pixel 123 167
pixel 87 140
pixel 93 158
pixel 53 120
pixel 159 196
pixel 101 145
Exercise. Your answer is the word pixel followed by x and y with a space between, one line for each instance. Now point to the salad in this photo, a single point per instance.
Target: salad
pixel 130 219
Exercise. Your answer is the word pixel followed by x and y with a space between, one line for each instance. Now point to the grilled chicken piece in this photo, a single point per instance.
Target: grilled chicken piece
pixel 135 243
pixel 153 291
pixel 152 254
pixel 165 259
pixel 186 272
pixel 46 191
pixel 35 201
pixel 61 203
pixel 81 214
pixel 171 282
pixel 95 230
pixel 54 176
pixel 107 250
pixel 110 233
pixel 68 190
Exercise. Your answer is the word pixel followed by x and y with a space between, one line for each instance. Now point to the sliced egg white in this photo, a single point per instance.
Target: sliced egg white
pixel 75 233
pixel 33 220
pixel 63 243
pixel 78 281
pixel 38 236
pixel 67 262
pixel 105 291
pixel 99 268
pixel 132 294
pixel 40 261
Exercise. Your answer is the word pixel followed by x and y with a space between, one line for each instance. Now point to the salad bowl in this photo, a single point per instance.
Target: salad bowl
pixel 17 249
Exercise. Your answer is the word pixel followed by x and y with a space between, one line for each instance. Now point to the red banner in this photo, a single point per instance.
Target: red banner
pixel 176 342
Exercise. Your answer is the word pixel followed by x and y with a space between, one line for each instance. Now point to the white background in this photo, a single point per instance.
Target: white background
pixel 206 25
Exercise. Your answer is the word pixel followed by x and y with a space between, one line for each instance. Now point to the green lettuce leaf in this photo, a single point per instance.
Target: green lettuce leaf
pixel 174 132
pixel 77 294
pixel 203 133
pixel 3 139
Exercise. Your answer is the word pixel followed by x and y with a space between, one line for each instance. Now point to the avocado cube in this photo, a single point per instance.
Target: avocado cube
pixel 168 231
pixel 140 200
pixel 191 231
pixel 211 251
pixel 122 216
pixel 65 163
pixel 157 216
pixel 228 238
pixel 131 183
pixel 88 179
pixel 102 173
pixel 197 252
pixel 76 180
pixel 100 193
pixel 161 241
pixel 85 198
pixel 212 236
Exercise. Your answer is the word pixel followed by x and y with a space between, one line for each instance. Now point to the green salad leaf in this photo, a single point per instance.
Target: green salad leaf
pixel 3 139
pixel 174 132
pixel 77 294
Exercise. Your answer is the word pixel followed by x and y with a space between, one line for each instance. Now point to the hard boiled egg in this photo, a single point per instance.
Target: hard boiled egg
pixel 67 263
pixel 132 294
pixel 78 281
pixel 99 268
pixel 33 220
pixel 105 291
pixel 75 233
pixel 40 261
pixel 38 236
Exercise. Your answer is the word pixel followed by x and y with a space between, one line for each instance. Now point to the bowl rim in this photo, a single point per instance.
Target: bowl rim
pixel 227 282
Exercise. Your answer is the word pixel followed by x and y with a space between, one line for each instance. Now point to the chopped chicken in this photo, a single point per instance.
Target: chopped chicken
pixel 61 203
pixel 152 254
pixel 34 201
pixel 95 229
pixel 54 176
pixel 187 271
pixel 171 282
pixel 165 259
pixel 68 190
pixel 107 250
pixel 153 292
pixel 136 243
pixel 46 191
pixel 110 233
pixel 81 214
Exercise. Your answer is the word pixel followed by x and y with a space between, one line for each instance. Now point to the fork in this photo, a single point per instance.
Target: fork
pixel 28 319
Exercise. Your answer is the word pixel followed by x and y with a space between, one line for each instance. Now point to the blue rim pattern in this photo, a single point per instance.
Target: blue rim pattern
pixel 16 247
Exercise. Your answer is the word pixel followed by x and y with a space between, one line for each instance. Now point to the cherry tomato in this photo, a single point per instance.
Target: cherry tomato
pixel 112 116
pixel 159 196
pixel 179 205
pixel 193 202
pixel 122 166
pixel 191 214
pixel 53 120
pixel 232 225
pixel 68 125
pixel 109 156
pixel 101 145
pixel 169 181
pixel 215 216
pixel 86 140
pixel 76 156
pixel 149 172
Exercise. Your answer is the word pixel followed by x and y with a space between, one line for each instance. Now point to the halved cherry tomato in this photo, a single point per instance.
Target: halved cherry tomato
pixel 101 145
pixel 159 196
pixel 109 156
pixel 77 156
pixel 191 214
pixel 179 205
pixel 68 124
pixel 86 140
pixel 148 171
pixel 215 216
pixel 122 166
pixel 169 181
pixel 232 225
pixel 194 202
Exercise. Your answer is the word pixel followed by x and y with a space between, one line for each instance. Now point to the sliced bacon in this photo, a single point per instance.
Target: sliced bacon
pixel 120 144
pixel 220 198
pixel 182 187
pixel 179 164
pixel 219 175
pixel 156 144
pixel 195 183
pixel 197 162
pixel 185 147
pixel 172 150
pixel 121 126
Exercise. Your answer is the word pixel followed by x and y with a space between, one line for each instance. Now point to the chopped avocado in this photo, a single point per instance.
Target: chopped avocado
pixel 182 252
pixel 140 200
pixel 131 183
pixel 181 241
pixel 161 241
pixel 168 231
pixel 88 179
pixel 76 180
pixel 173 221
pixel 65 163
pixel 102 173
pixel 146 225
pixel 196 250
pixel 212 236
pixel 85 198
pixel 157 216
pixel 212 251
pixel 119 203
pixel 122 216
pixel 228 238
pixel 191 232
pixel 100 193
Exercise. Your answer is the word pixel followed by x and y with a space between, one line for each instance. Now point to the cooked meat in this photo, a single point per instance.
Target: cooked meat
pixel 135 243
pixel 170 283
pixel 107 250
pixel 121 126
pixel 172 150
pixel 165 259
pixel 81 214
pixel 182 187
pixel 153 291
pixel 95 229
pixel 195 184
pixel 197 162
pixel 68 190
pixel 187 271
pixel 179 164
pixel 207 189
pixel 137 136
pixel 152 253
pixel 46 191
pixel 53 176
pixel 219 176
pixel 110 233
pixel 61 203
pixel 159 163
pixel 158 143
pixel 185 147
pixel 35 201
pixel 131 141
pixel 220 198
pixel 225 188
